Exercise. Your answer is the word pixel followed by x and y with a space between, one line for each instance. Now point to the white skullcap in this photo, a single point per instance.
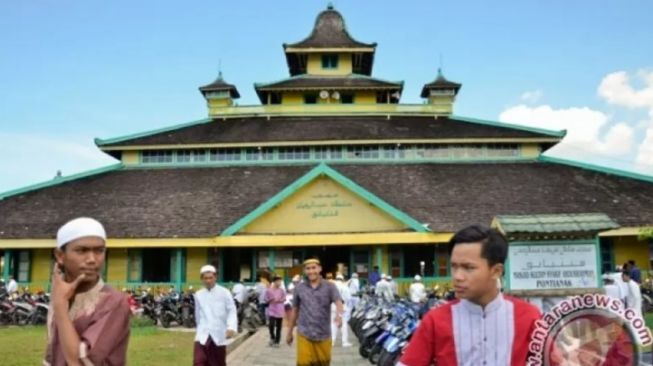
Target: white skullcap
pixel 384 276
pixel 79 228
pixel 354 275
pixel 296 278
pixel 389 277
pixel 340 277
pixel 418 278
pixel 207 268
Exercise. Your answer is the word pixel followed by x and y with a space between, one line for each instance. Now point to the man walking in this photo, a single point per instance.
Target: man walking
pixel 345 296
pixel 88 321
pixel 416 291
pixel 312 314
pixel 217 321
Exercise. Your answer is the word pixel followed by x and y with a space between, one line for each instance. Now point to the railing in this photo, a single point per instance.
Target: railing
pixel 330 109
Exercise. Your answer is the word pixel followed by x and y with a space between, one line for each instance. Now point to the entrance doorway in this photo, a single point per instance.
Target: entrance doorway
pixel 333 258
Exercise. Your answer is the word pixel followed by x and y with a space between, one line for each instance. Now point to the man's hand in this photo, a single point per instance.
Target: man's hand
pixel 231 333
pixel 62 291
pixel 338 320
pixel 289 337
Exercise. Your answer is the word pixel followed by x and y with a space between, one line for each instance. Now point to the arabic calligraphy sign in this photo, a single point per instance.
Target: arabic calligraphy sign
pixel 324 205
pixel 553 266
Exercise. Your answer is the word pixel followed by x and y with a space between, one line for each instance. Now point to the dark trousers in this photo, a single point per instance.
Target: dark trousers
pixel 209 354
pixel 275 329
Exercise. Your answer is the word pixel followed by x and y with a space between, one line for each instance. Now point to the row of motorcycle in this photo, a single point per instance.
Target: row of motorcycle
pixel 23 309
pixel 384 327
pixel 179 308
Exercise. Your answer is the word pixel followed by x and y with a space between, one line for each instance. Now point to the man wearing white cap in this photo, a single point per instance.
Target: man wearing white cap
pixel 215 312
pixel 417 291
pixel 383 288
pixel 88 321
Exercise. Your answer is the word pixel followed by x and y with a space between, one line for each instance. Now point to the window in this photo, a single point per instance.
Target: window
pixel 437 152
pixel 22 266
pixel 294 153
pixel 607 255
pixel 330 61
pixel 394 152
pixel 188 156
pixel 363 152
pixel 361 259
pixel 502 150
pixel 275 98
pixel 395 262
pixel 157 265
pixel 441 262
pixel 415 255
pixel 347 98
pixel 310 98
pixel 224 154
pixel 156 156
pixel 134 265
pixel 259 154
pixel 328 152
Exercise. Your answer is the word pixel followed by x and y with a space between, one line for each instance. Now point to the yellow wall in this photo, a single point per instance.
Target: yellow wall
pixel 220 102
pixel 292 98
pixel 628 247
pixel 195 259
pixel 530 150
pixel 365 97
pixel 314 65
pixel 41 265
pixel 130 157
pixel 117 262
pixel 323 206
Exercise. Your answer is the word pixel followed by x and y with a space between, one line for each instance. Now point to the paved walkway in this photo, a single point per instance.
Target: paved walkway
pixel 255 351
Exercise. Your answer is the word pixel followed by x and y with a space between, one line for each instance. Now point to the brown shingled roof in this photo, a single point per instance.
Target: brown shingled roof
pixel 329 31
pixel 440 82
pixel 277 129
pixel 220 85
pixel 202 202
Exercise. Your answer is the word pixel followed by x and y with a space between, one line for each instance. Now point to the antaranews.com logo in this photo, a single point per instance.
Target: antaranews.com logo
pixel 591 329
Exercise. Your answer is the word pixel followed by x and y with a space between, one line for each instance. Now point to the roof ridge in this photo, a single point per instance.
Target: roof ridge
pixel 558 133
pixel 597 168
pixel 59 180
pixel 100 142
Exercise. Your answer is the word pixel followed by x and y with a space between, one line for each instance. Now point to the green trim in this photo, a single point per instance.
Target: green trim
pixel 60 180
pixel 6 270
pixel 559 133
pixel 179 260
pixel 271 259
pixel 139 259
pixel 599 263
pixel 597 168
pixel 379 259
pixel 323 170
pixel 113 140
pixel 221 265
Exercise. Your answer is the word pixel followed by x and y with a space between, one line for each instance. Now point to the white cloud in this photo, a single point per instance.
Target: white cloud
pixel 616 88
pixel 645 151
pixel 593 134
pixel 533 96
pixel 28 159
pixel 584 127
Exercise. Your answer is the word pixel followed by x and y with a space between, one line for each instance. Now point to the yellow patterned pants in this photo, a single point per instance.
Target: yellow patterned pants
pixel 313 353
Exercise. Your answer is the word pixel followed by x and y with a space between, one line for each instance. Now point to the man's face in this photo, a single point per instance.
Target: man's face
pixel 209 278
pixel 82 256
pixel 625 277
pixel 312 271
pixel 472 276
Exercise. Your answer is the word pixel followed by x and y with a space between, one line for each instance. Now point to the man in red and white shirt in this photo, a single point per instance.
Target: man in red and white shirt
pixel 482 327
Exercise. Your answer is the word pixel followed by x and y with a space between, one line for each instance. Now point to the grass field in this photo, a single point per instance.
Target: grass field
pixel 148 346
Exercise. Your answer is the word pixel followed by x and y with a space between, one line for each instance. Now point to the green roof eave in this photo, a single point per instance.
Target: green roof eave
pixel 324 169
pixel 597 168
pixel 102 142
pixel 61 180
pixel 554 223
pixel 554 133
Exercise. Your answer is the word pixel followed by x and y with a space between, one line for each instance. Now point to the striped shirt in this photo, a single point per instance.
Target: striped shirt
pixel 465 334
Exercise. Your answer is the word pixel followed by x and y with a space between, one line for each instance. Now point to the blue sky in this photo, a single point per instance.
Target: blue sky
pixel 74 70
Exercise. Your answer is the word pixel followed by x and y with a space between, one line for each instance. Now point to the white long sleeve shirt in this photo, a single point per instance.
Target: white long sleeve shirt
pixel 215 313
pixel 634 297
pixel 417 292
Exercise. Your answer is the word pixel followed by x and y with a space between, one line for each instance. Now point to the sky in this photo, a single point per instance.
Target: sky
pixel 71 71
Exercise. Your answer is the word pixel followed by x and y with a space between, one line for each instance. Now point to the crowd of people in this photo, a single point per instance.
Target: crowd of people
pixel 625 286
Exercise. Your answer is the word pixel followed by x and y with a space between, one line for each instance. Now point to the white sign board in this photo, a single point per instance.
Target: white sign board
pixel 553 266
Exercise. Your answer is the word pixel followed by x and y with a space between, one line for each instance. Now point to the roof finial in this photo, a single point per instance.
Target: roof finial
pixel 330 5
pixel 219 69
